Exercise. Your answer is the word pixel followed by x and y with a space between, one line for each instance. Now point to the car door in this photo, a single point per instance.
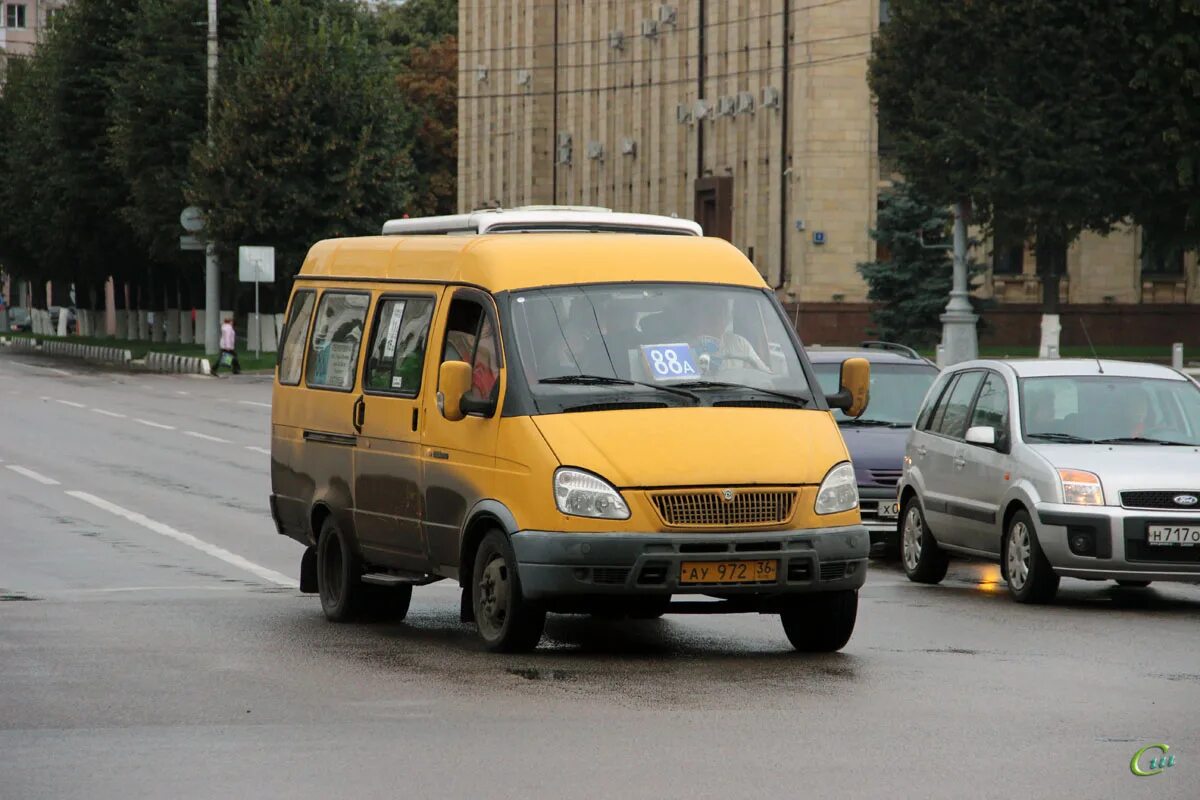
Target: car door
pixel 459 457
pixel 983 470
pixel 387 462
pixel 943 479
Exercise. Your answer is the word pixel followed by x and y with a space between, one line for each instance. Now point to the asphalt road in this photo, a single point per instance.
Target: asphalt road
pixel 153 644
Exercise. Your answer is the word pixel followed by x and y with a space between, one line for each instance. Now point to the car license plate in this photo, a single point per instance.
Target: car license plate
pixel 762 571
pixel 889 510
pixel 1173 535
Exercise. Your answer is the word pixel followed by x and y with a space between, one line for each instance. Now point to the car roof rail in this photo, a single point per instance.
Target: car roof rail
pixel 894 347
pixel 530 219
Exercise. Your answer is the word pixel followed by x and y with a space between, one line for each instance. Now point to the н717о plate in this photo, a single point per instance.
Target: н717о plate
pixel 750 571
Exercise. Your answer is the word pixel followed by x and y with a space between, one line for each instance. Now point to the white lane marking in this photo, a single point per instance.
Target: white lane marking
pixel 28 473
pixel 262 450
pixel 60 371
pixel 71 403
pixel 185 588
pixel 253 403
pixel 153 424
pixel 180 391
pixel 206 437
pixel 108 413
pixel 186 538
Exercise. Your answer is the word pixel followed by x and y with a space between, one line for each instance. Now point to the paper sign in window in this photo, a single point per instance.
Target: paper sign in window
pixel 393 331
pixel 670 362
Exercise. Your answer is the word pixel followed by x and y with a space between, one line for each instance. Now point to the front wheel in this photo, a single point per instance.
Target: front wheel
pixel 820 623
pixel 508 622
pixel 924 561
pixel 1030 577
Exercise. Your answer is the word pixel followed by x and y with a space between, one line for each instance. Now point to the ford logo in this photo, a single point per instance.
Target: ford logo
pixel 1186 500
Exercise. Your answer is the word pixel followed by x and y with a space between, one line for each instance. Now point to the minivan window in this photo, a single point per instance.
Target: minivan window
pixel 896 390
pixel 991 409
pixel 336 340
pixel 471 337
pixel 953 421
pixel 291 355
pixel 398 346
pixel 934 397
pixel 1091 408
pixel 661 334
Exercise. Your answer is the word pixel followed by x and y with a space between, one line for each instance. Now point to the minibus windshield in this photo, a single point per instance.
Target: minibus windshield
pixel 689 341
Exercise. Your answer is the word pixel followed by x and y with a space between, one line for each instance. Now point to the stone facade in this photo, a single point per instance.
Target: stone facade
pixel 752 116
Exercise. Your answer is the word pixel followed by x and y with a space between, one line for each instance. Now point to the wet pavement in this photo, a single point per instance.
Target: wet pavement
pixel 153 644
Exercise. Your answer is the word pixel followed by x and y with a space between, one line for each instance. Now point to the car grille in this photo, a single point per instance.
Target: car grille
pixel 1160 500
pixel 885 477
pixel 833 570
pixel 709 508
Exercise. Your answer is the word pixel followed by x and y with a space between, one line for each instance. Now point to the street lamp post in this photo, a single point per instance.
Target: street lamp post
pixel 212 267
pixel 958 322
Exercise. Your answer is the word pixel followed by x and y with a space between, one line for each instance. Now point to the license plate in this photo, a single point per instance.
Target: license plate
pixel 762 571
pixel 1173 535
pixel 889 510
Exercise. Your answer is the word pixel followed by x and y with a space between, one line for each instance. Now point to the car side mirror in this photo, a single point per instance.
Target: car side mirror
pixel 454 381
pixel 982 434
pixel 855 381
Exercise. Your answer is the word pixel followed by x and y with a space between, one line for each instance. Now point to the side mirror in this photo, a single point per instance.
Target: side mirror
pixel 454 381
pixel 982 434
pixel 854 395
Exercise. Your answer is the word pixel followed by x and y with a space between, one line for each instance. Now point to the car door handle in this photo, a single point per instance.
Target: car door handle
pixel 442 454
pixel 960 462
pixel 359 414
pixel 921 451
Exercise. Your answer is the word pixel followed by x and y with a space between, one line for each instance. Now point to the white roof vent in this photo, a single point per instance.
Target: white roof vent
pixel 542 219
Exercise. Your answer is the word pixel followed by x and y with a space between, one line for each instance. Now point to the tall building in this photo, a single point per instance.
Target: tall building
pixel 23 23
pixel 754 117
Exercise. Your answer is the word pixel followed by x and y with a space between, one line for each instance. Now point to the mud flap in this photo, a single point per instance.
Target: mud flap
pixel 466 608
pixel 308 571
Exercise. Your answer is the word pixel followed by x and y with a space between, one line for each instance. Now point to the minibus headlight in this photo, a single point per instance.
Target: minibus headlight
pixel 1081 488
pixel 839 490
pixel 582 494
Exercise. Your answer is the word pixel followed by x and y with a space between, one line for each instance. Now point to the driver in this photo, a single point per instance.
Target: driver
pixel 1137 412
pixel 715 345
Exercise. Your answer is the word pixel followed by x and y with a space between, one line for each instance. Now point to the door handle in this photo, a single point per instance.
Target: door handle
pixel 442 454
pixel 921 451
pixel 960 462
pixel 359 414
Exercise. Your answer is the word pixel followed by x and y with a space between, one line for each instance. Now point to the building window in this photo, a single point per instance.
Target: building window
pixel 885 11
pixel 1008 250
pixel 1160 257
pixel 14 15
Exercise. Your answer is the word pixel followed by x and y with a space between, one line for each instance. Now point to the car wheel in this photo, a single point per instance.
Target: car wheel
pixel 1133 584
pixel 507 621
pixel 651 607
pixel 338 573
pixel 924 561
pixel 822 622
pixel 1028 573
pixel 387 603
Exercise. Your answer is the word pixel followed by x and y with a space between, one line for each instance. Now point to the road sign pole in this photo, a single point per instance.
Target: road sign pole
pixel 257 317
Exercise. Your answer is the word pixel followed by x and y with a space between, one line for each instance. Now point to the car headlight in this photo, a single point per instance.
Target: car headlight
pixel 839 490
pixel 582 494
pixel 1081 488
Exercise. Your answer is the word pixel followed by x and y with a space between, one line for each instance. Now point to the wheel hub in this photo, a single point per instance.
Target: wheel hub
pixel 1018 556
pixel 911 539
pixel 493 595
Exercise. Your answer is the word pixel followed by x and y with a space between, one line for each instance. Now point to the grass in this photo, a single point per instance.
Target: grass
pixel 139 348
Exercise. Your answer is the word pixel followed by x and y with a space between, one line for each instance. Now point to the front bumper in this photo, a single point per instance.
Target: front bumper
pixel 884 531
pixel 556 564
pixel 1121 552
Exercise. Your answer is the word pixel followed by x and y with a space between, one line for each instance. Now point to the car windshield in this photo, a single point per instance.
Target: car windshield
pixel 1099 408
pixel 896 391
pixel 628 339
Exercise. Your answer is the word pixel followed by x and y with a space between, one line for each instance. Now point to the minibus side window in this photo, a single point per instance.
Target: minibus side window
pixel 336 340
pixel 471 337
pixel 291 355
pixel 398 346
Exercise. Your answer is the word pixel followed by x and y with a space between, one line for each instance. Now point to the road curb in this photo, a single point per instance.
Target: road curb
pixel 172 362
pixel 84 352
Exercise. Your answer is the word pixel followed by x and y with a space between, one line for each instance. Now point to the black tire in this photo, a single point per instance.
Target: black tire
pixel 651 607
pixel 1133 584
pixel 1028 573
pixel 507 621
pixel 343 598
pixel 387 603
pixel 924 561
pixel 822 622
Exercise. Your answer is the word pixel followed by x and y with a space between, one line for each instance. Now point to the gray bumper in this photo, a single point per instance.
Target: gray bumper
pixel 883 530
pixel 810 560
pixel 1122 552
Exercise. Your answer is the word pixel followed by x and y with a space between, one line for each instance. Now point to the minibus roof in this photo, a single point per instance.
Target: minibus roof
pixel 499 262
pixel 541 219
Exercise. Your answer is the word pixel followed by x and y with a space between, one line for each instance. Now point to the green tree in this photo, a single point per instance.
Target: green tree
pixel 909 285
pixel 1018 107
pixel 310 137
pixel 428 82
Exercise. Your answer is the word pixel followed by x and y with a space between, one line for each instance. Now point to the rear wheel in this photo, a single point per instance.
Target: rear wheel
pixel 924 561
pixel 1030 577
pixel 507 621
pixel 387 603
pixel 1133 584
pixel 820 623
pixel 338 571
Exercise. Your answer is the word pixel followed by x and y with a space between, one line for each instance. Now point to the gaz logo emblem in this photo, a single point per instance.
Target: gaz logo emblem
pixel 727 495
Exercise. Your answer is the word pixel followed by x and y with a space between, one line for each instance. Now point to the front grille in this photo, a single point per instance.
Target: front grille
pixel 833 570
pixel 610 575
pixel 709 508
pixel 886 477
pixel 1160 500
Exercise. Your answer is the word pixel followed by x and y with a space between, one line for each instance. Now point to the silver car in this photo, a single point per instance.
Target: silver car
pixel 1079 468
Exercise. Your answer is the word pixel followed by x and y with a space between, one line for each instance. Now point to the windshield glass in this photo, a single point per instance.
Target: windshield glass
pixel 637 338
pixel 1089 408
pixel 896 391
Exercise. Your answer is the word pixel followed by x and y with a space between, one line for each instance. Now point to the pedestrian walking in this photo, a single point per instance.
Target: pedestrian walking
pixel 228 355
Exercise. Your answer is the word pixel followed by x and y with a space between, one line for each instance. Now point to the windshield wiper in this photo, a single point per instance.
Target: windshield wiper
pixel 606 380
pixel 1142 440
pixel 795 398
pixel 1060 437
pixel 874 423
